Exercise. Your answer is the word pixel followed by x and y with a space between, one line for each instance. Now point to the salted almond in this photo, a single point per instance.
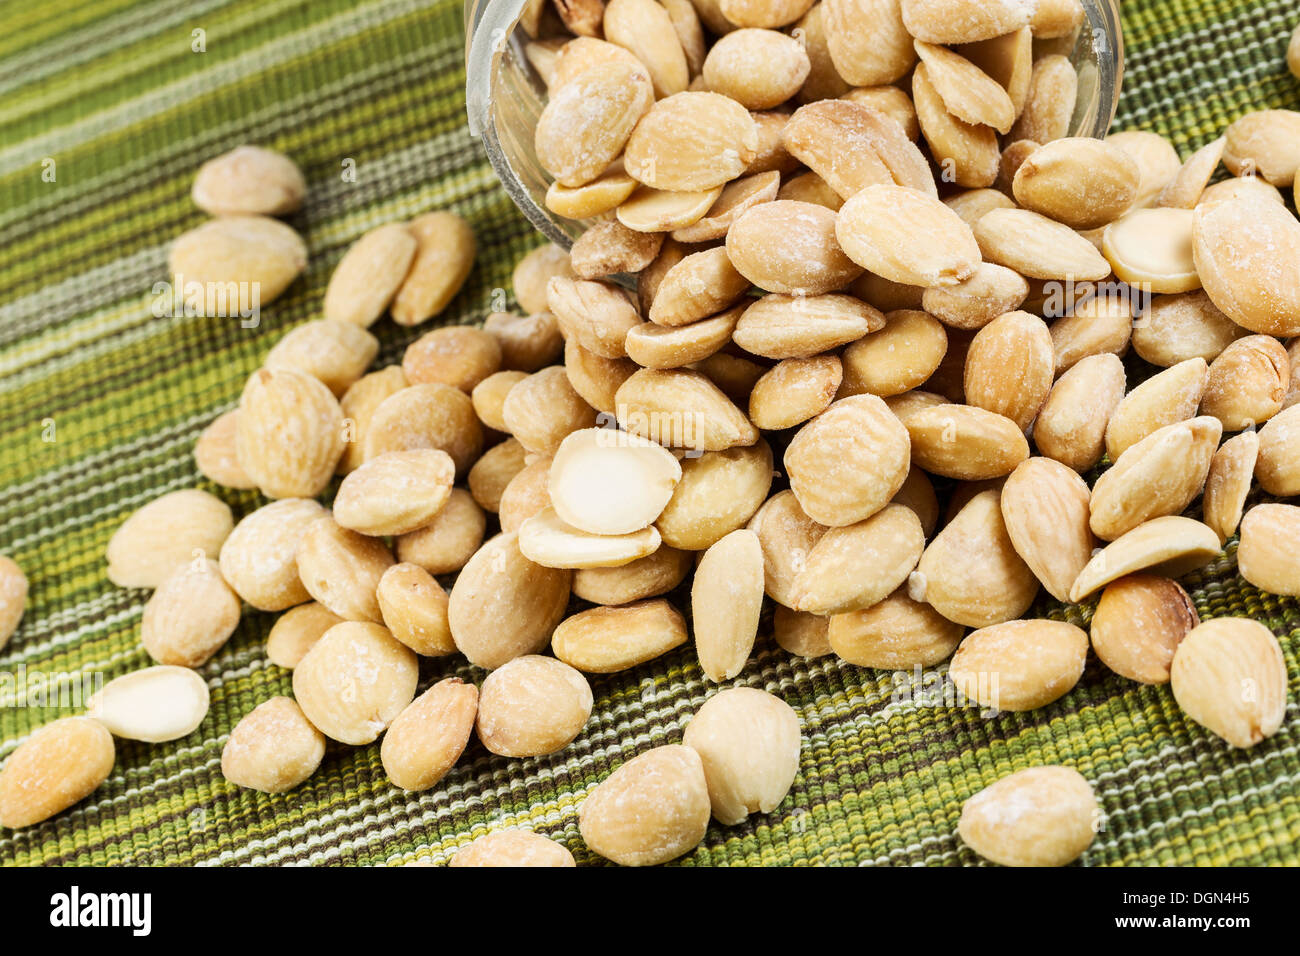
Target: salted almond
pixel 1071 427
pixel 691 141
pixel 289 435
pixel 337 353
pixel 358 406
pixel 443 260
pixel 918 494
pixel 1081 182
pixel 1152 248
pixel 1175 328
pixel 657 346
pixel 596 379
pixel 894 634
pixel 970 573
pixel 1010 367
pixel 810 188
pixel 588 120
pixel 597 314
pixel 582 17
pixel 726 600
pixel 460 356
pixel 824 81
pixel 881 228
pixel 896 358
pixel 1247 382
pixel 1172 546
pixel 960 21
pixel 1266 555
pixel 968 92
pixel 549 541
pixel 541 54
pixel 513 848
pixel 1019 665
pixel 970 205
pixel 608 482
pixel 973 303
pixel 1185 190
pixel 757 68
pixel 645 28
pixel 907 404
pixel 890 100
pixel 165 535
pixel 1170 396
pixel 449 539
pixel 731 203
pixel 651 576
pixel 1244 251
pixel 534 271
pixel 1009 60
pixel 1245 187
pixel 603 194
pixel 1099 325
pixel 686 24
pixel 273 748
pixel 1045 508
pixel 1228 483
pixel 1037 247
pixel 296 630
pixel 1230 677
pixel 581 52
pixel 1138 625
pixel 800 634
pixel 794 391
pixel 190 616
pixel 605 640
pixel 681 409
pixel 1156 158
pixel 718 493
pixel 1043 816
pixel 1160 475
pixel 429 735
pixel 234 265
pixel 787 535
pixel 526 495
pixel 852 146
pixel 655 211
pixel 857 566
pixel 354 681
pixel 494 471
pixel 59 765
pixel 543 409
pixel 489 397
pixel 782 326
pixel 868 41
pixel 698 286
pixel 531 706
pixel 1278 467
pixel 395 492
pixel 1265 143
pixel 258 560
pixel 734 375
pixel 249 181
pixel 341 569
pixel 214 453
pixel 789 247
pixel 968 155
pixel 1057 18
pixel 1014 155
pixel 414 609
pixel 1049 105
pixel 965 442
pixel 849 461
pixel 370 274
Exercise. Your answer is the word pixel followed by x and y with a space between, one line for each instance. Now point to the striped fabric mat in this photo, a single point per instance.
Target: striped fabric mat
pixel 107 108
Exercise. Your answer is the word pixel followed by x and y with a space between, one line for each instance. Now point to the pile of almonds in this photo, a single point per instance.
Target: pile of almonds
pixel 912 338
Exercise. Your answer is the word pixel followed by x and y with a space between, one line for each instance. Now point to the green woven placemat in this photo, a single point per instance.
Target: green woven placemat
pixel 102 402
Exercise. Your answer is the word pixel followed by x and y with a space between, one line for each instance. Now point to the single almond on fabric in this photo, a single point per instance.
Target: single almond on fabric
pixel 650 212
pixel 341 568
pixel 215 456
pixel 1172 546
pixel 369 275
pixel 354 681
pixel 1082 182
pixel 697 286
pixel 1160 475
pixel 13 598
pixel 59 765
pixel 1175 328
pixel 726 600
pixel 597 314
pixel 1019 665
pixel 273 748
pixel 457 355
pixel 191 615
pixel 1265 143
pixel 608 482
pixel 259 559
pixel 736 198
pixel 1038 247
pixel 991 291
pixel 1049 104
pixel 881 229
pixel 749 743
pixel 1010 367
pixel 781 326
pixel 657 346
pixel 681 409
pixel 787 535
pixel 1230 677
pixel 513 848
pixel 691 141
pixel 717 494
pixel 1185 190
pixel 795 390
pixel 603 194
pixel 852 146
pixel 610 246
pixel 963 21
pixel 1045 508
pixel 595 379
pixel 1152 248
pixel 155 704
pixel 757 68
pixel 1168 397
pixel 249 181
pixel 533 273
pixel 1228 483
pixel 970 94
pixel 337 353
pixel 1247 383
pixel 965 442
pixel 790 247
pixel 652 809
pixel 800 634
pixel 651 576
pixel 1043 816
pixel 493 472
pixel 860 565
pixel 444 258
pixel 970 573
pixel 849 461
pixel 427 738
pixel 449 540
pixel 414 609
pixel 358 406
pixel 289 436
pixel 164 535
pixel 395 493
pixel 1244 252
pixel 868 42
pixel 968 155
pixel 1138 625
pixel 897 358
pixel 1278 466
pixel 895 634
pixel 295 631
pixel 587 121
pixel 503 605
pixel 232 266
pixel 544 409
pixel 532 706
pixel 1270 535
pixel 605 640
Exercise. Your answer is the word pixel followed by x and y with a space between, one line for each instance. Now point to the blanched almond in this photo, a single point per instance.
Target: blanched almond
pixel 868 42
pixel 1153 248
pixel 258 560
pixel 296 630
pixel 1010 367
pixel 657 346
pixel 1156 158
pixel 781 326
pixel 1172 546
pixel 691 141
pixel 852 146
pixel 443 259
pixel 907 237
pixel 726 599
pixel 651 576
pixel 800 634
pixel 1278 467
pixel 1043 816
pixel 1019 665
pixel 337 353
pixel 588 120
pixel 653 211
pixel 249 180
pixel 513 848
pixel 681 409
pixel 534 271
pixel 605 640
pixel 1045 508
pixel 1265 143
pixel 191 615
pixel 759 69
pixel 963 21
pixel 597 379
pixel 494 471
pixel 532 706
pixel 968 155
pixel 215 456
pixel 965 442
pixel 234 265
pixel 1175 328
pixel 1138 625
pixel 1049 105
pixel 859 565
pixel 1228 483
pixel 1247 382
pixel 1245 253
pixel 1081 182
pixel 895 634
pixel 341 568
pixel 60 764
pixel 549 541
pixel 155 704
pixel 644 28
pixel 358 406
pixel 429 735
pixel 354 681
pixel 164 535
pixel 695 287
pixel 414 609
pixel 789 247
pixel 1184 191
pixel 395 493
pixel 718 493
pixel 543 409
pixel 607 482
pixel 973 303
pixel 273 748
pixel 290 433
pixel 1230 677
pixel 736 198
pixel 369 274
pixel 1071 427
pixel 1037 247
pixel 449 540
pixel 968 92
pixel 1270 536
pixel 794 391
pixel 1167 397
pixel 457 355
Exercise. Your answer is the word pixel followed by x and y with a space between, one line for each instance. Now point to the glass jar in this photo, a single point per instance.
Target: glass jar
pixel 504 96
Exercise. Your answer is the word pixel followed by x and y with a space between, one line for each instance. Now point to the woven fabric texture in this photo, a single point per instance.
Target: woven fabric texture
pixel 102 403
